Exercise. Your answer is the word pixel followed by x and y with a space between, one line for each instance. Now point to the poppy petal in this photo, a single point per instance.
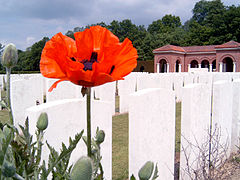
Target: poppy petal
pixel 125 60
pixel 96 39
pixel 84 43
pixel 53 59
pixel 55 84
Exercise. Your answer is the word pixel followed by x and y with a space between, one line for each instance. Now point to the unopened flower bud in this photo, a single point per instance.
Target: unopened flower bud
pixel 146 171
pixel 42 122
pixel 83 169
pixel 8 169
pixel 10 56
pixel 100 136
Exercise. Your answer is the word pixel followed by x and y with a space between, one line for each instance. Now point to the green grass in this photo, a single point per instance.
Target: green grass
pixel 178 127
pixel 120 147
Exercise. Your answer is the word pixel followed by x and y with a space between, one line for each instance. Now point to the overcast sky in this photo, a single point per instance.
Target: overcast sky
pixel 24 22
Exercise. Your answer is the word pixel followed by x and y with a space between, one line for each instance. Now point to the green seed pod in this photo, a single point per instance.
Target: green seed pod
pixel 6 130
pixel 42 122
pixel 100 136
pixel 146 171
pixel 8 169
pixel 10 56
pixel 83 169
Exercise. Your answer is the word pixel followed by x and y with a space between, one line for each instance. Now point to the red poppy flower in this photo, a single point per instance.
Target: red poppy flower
pixel 94 58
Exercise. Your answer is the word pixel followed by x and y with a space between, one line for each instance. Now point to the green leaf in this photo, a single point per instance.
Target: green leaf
pixel 3 104
pixel 60 162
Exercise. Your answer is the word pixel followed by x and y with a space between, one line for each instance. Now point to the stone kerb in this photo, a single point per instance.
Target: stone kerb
pixel 125 88
pixel 222 111
pixel 64 90
pixel 152 131
pixel 235 116
pixel 195 125
pixel 24 94
pixel 106 92
pixel 67 118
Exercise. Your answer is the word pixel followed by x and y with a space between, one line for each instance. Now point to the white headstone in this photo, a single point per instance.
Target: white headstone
pixel 188 78
pixel 222 111
pixel 152 131
pixel 178 85
pixel 107 92
pixel 24 94
pixel 235 116
pixel 67 118
pixel 195 125
pixel 64 90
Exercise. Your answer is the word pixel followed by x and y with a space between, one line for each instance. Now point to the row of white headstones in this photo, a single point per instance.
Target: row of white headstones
pixel 150 100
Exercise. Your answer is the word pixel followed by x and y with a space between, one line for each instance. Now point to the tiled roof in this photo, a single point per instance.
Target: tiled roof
pixel 170 48
pixel 189 49
pixel 230 44
pixel 199 48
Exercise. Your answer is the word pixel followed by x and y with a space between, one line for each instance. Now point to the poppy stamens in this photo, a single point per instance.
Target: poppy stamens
pixel 112 68
pixel 73 59
pixel 88 64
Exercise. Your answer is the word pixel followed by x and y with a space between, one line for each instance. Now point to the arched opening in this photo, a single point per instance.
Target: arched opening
pixel 227 64
pixel 163 66
pixel 177 66
pixel 214 66
pixel 194 64
pixel 205 64
pixel 142 69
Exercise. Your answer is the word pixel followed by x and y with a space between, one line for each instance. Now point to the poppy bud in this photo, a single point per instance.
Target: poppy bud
pixel 8 169
pixel 83 169
pixel 100 136
pixel 10 56
pixel 42 122
pixel 146 171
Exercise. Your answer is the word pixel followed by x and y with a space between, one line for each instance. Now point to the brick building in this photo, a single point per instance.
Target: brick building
pixel 219 58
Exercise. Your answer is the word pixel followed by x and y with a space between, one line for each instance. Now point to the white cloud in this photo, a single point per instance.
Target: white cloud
pixel 30 40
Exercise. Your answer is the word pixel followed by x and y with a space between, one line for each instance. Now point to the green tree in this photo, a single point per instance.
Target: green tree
pixel 29 59
pixel 156 27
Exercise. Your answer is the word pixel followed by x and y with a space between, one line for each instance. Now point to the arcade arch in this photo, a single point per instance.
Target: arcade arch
pixel 162 66
pixel 227 65
pixel 205 64
pixel 194 64
pixel 177 66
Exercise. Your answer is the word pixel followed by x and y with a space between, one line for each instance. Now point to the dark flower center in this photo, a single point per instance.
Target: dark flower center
pixel 88 64
pixel 112 68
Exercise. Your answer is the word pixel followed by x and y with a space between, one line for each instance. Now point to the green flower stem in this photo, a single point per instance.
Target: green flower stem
pixel 89 149
pixel 8 71
pixel 39 146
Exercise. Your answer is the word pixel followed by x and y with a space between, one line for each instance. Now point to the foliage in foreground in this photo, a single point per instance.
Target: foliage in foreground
pixel 20 155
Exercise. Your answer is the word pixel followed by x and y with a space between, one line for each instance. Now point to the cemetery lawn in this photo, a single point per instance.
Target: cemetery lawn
pixel 120 147
pixel 178 127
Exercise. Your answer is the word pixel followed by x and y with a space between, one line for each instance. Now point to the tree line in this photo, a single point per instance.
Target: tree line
pixel 211 23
